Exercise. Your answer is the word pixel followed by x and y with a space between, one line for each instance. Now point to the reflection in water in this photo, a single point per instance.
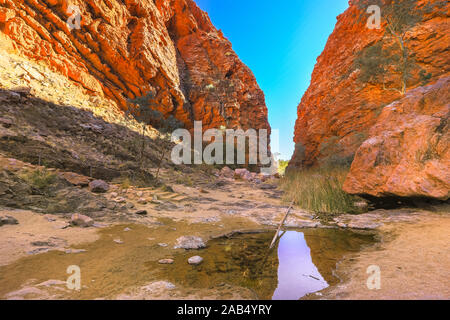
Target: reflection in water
pixel 297 274
pixel 302 264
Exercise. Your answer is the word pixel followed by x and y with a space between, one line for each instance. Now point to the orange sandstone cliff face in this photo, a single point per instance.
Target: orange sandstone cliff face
pixel 408 151
pixel 337 111
pixel 401 142
pixel 131 48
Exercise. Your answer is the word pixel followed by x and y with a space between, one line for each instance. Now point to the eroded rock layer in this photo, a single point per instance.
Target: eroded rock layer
pixel 131 48
pixel 337 111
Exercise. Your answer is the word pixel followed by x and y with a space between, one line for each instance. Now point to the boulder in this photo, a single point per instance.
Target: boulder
pixel 189 242
pixel 80 220
pixel 407 153
pixel 75 179
pixel 98 186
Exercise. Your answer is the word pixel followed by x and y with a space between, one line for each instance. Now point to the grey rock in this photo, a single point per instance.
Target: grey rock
pixel 166 261
pixel 196 260
pixel 69 251
pixel 141 212
pixel 190 242
pixel 226 172
pixel 267 187
pixel 81 220
pixel 98 186
pixel 6 122
pixel 8 220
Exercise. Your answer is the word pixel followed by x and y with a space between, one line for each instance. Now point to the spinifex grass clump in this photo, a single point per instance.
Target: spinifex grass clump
pixel 39 178
pixel 319 190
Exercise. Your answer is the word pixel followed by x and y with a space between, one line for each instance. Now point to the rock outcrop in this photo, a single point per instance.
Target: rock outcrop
pixel 408 151
pixel 337 111
pixel 166 50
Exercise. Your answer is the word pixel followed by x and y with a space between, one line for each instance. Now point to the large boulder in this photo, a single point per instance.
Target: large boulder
pixel 407 153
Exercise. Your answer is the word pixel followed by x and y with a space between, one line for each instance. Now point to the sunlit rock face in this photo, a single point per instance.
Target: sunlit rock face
pixel 131 48
pixel 337 111
pixel 408 150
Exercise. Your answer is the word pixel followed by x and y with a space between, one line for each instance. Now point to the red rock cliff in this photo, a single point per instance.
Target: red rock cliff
pixel 129 48
pixel 337 111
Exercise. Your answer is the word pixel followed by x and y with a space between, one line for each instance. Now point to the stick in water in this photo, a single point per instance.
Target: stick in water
pixel 281 224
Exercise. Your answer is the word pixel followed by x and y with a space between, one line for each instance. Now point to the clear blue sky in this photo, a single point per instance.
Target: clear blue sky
pixel 280 42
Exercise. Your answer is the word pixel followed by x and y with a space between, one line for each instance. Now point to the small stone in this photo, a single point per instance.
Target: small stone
pixel 157 202
pixel 267 187
pixel 49 218
pixel 362 205
pixel 141 212
pixel 129 205
pixel 98 186
pixel 120 200
pixel 50 283
pixel 139 194
pixel 166 261
pixel 226 172
pixel 163 245
pixel 6 122
pixel 69 251
pixel 196 260
pixel 118 241
pixel 8 220
pixel 127 229
pixel 81 220
pixel 142 201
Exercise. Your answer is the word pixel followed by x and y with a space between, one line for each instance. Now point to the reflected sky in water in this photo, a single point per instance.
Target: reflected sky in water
pixel 297 274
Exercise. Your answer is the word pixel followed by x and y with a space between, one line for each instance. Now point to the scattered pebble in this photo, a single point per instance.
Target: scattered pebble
pixel 166 261
pixel 196 260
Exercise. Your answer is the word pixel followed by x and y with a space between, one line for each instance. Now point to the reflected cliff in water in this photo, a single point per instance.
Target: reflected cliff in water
pixel 302 263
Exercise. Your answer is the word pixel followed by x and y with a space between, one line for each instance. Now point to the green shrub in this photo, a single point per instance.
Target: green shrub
pixel 282 165
pixel 319 190
pixel 40 178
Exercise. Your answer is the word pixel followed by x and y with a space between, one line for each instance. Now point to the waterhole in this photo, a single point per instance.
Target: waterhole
pixel 302 262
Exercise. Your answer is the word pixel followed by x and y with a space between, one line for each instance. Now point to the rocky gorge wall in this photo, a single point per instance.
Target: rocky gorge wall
pixel 339 115
pixel 127 49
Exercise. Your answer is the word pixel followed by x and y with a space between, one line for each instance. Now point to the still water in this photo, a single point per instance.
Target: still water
pixel 300 264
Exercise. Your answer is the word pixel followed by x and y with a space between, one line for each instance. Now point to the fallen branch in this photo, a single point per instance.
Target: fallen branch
pixel 281 225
